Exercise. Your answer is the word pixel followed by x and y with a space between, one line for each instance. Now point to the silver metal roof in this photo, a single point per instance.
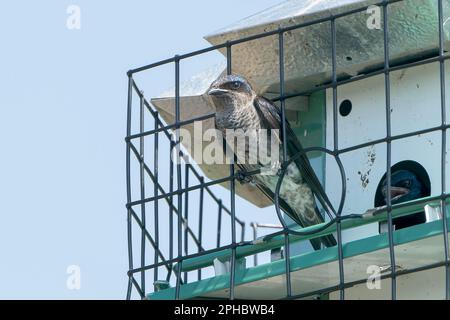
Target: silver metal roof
pixel 413 32
pixel 291 12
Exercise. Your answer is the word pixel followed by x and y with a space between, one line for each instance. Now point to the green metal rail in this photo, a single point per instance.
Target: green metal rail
pixel 261 245
pixel 310 259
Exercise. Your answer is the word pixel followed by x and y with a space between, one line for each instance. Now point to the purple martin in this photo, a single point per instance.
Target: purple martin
pixel 405 186
pixel 239 107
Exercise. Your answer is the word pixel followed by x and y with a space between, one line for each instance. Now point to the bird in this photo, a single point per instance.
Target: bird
pixel 405 186
pixel 238 106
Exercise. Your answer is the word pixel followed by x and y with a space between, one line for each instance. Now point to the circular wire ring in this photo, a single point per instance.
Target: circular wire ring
pixel 280 180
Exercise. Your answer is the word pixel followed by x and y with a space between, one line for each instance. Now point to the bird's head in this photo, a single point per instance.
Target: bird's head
pixel 231 91
pixel 405 186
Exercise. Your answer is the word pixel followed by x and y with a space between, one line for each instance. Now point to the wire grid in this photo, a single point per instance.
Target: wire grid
pixel 179 191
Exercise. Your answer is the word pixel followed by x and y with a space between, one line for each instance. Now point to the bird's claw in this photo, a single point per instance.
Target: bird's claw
pixel 243 178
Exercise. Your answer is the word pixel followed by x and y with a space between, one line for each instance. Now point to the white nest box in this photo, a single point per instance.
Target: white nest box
pixel 415 105
pixel 415 92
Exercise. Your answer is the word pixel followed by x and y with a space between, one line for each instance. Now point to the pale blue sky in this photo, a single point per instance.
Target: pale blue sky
pixel 62 124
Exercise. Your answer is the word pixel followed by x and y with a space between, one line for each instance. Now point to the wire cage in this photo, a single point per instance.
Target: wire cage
pixel 170 250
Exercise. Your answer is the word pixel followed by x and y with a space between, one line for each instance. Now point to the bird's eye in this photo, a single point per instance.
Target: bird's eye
pixel 407 183
pixel 236 85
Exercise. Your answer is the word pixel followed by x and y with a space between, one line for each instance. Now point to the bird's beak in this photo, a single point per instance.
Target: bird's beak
pixel 396 192
pixel 217 92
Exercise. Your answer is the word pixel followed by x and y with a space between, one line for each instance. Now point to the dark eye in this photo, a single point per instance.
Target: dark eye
pixel 236 85
pixel 407 183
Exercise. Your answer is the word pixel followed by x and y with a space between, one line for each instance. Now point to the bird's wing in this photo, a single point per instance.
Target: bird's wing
pixel 270 115
pixel 269 193
pixel 283 205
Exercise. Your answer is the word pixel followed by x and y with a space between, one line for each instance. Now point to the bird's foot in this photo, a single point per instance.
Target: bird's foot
pixel 243 178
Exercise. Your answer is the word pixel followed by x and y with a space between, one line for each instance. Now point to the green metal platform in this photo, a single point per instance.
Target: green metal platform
pixel 414 247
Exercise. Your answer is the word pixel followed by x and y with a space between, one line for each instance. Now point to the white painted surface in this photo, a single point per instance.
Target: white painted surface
pixel 423 285
pixel 408 256
pixel 415 104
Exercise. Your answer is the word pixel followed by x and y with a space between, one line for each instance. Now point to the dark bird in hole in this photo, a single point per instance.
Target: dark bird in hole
pixel 405 186
pixel 239 107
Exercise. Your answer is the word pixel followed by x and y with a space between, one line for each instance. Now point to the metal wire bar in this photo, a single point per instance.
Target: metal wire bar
pixel 170 202
pixel 336 147
pixel 142 189
pixel 392 138
pixel 232 202
pixel 282 100
pixel 186 215
pixel 128 178
pixel 363 76
pixel 219 223
pixel 266 225
pixel 191 188
pixel 178 164
pixel 284 153
pixel 200 225
pixel 170 126
pixel 233 235
pixel 443 148
pixel 287 252
pixel 171 177
pixel 387 90
pixel 255 235
pixel 155 193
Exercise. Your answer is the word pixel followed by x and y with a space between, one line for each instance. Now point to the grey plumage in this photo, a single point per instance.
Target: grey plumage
pixel 239 107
